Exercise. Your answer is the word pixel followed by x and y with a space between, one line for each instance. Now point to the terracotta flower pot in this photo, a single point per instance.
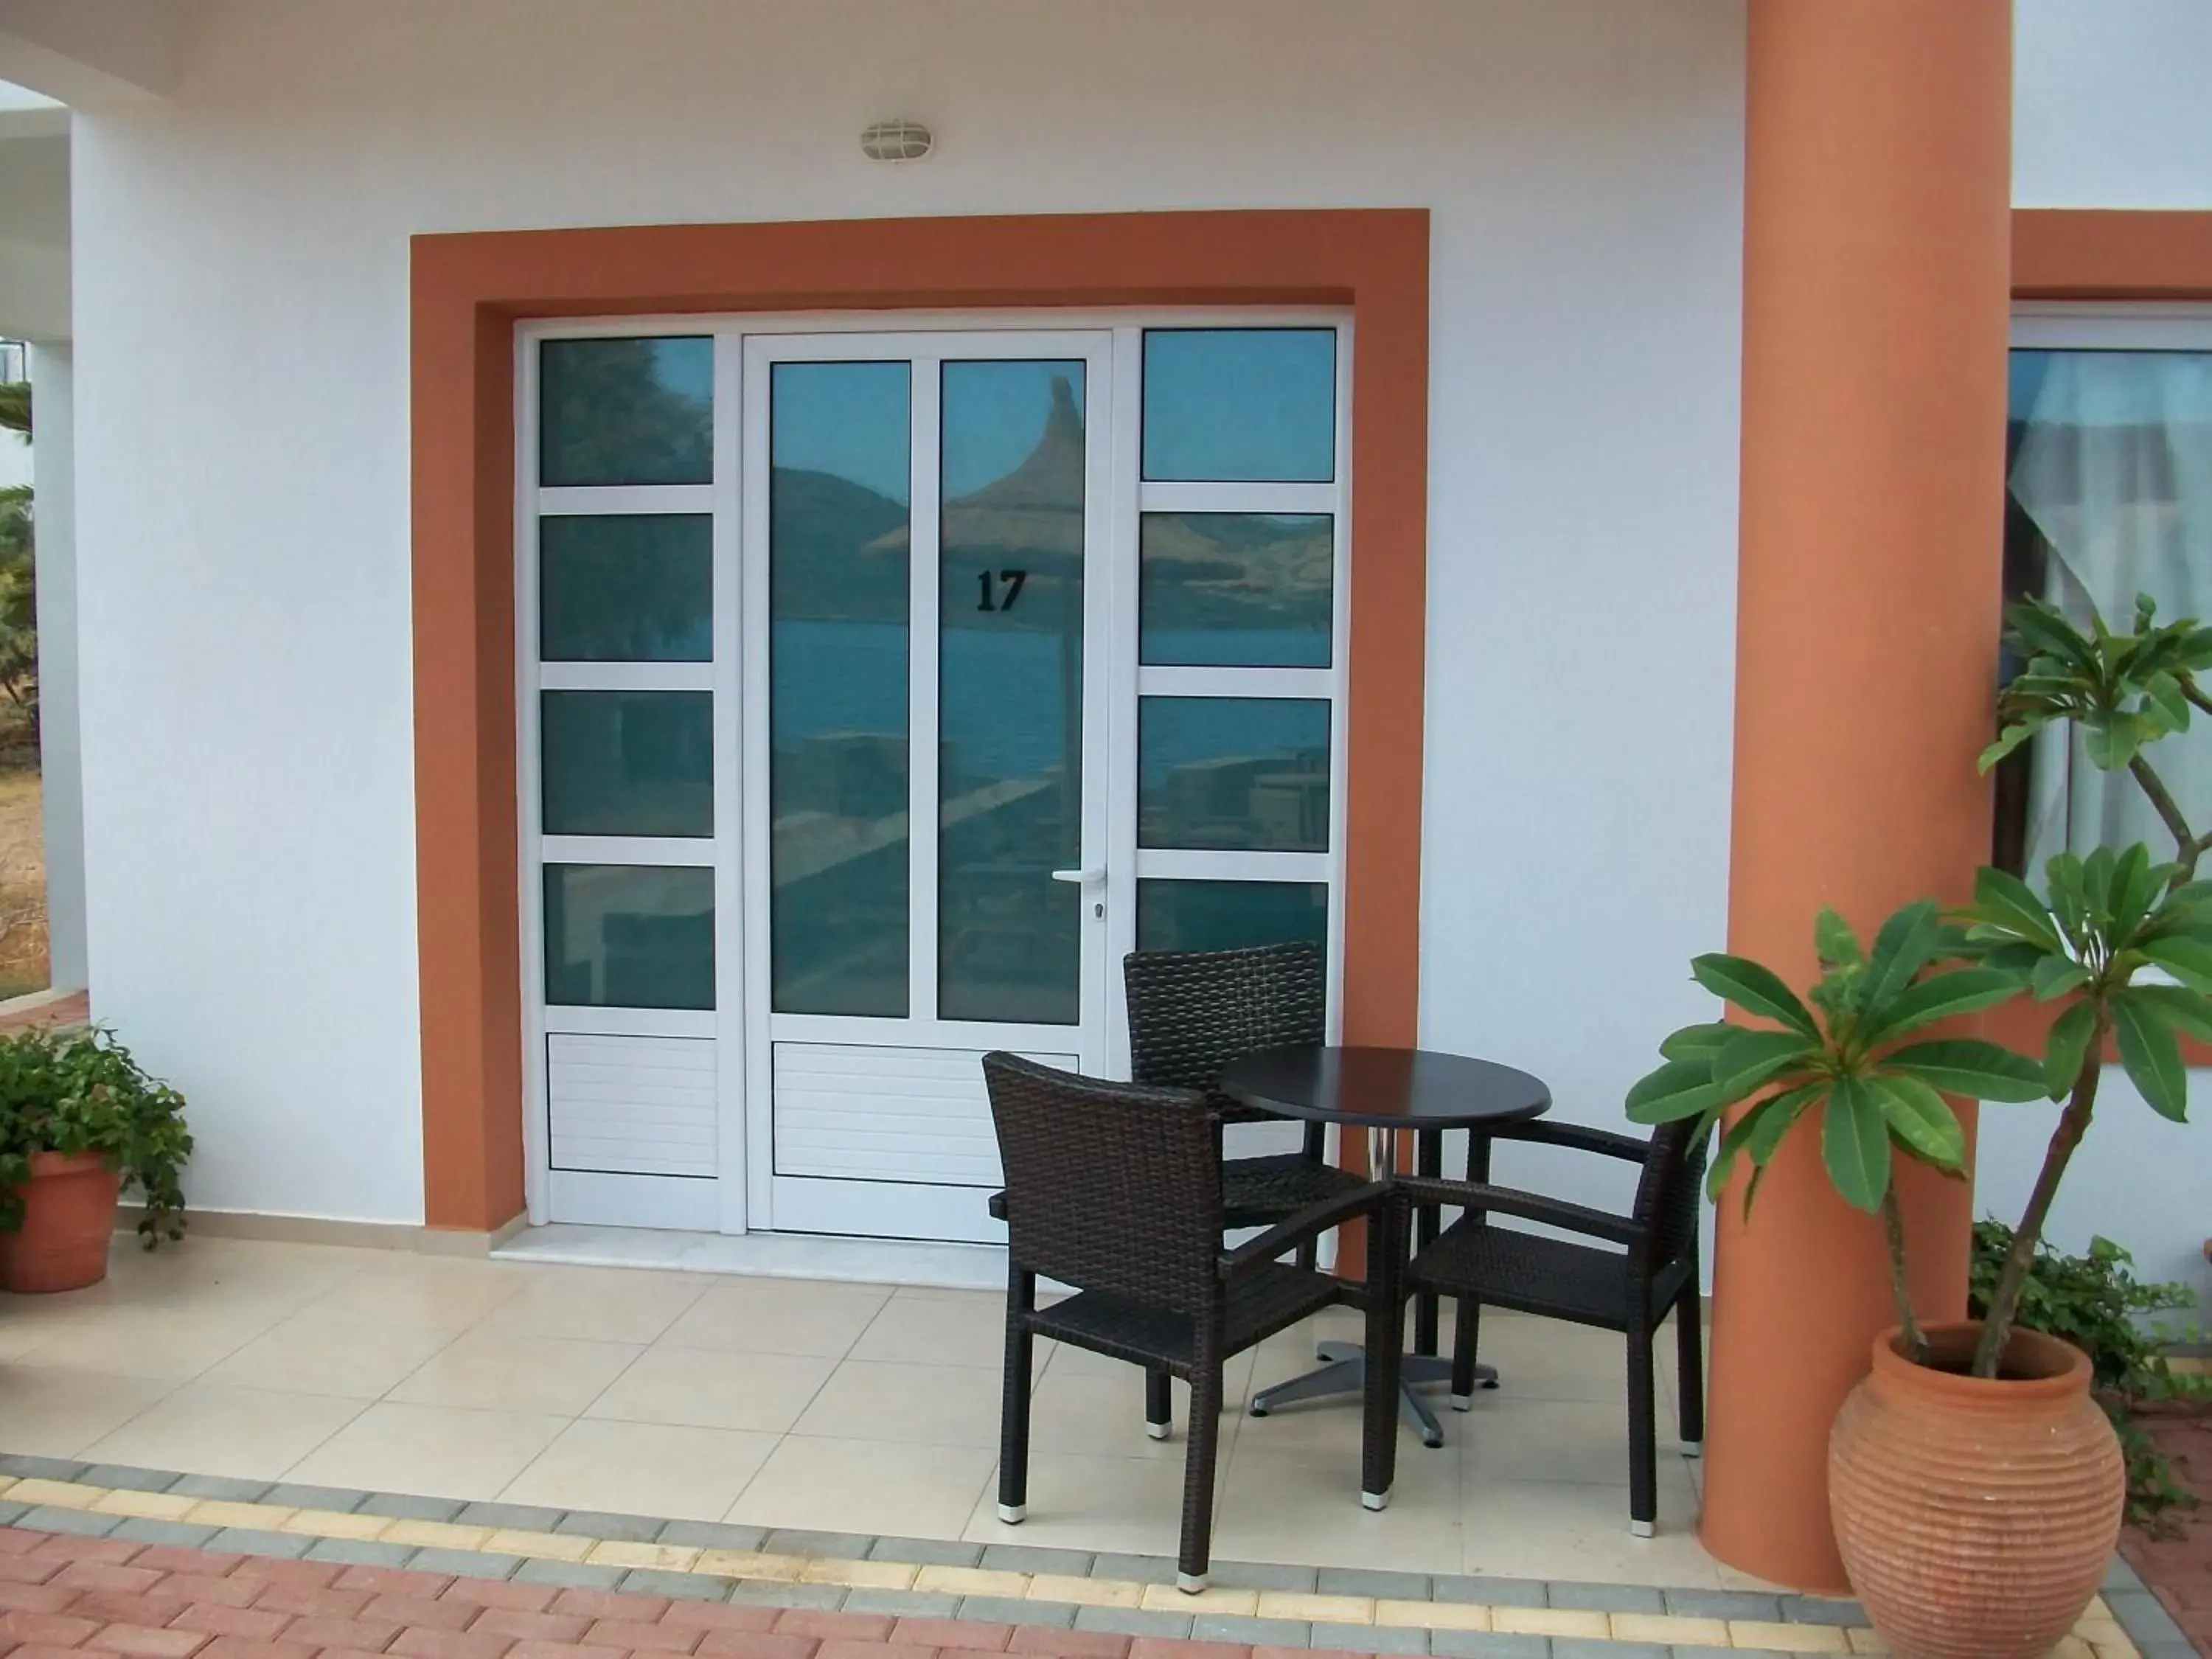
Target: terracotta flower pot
pixel 68 1217
pixel 1976 1518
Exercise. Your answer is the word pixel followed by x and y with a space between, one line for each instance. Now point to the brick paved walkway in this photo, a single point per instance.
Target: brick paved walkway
pixel 2178 1569
pixel 61 1595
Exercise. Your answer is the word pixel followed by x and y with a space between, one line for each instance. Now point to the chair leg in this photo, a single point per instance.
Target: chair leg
pixel 1386 1337
pixel 1316 1152
pixel 1201 1444
pixel 1467 1329
pixel 1159 1420
pixel 1014 1413
pixel 1643 1436
pixel 1690 1361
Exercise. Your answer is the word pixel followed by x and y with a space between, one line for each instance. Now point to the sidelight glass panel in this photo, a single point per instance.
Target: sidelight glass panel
pixel 1011 691
pixel 1253 405
pixel 1247 774
pixel 628 762
pixel 630 936
pixel 1238 590
pixel 1223 915
pixel 638 411
pixel 838 490
pixel 626 587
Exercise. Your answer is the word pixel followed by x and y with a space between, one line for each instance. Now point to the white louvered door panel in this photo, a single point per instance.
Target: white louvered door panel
pixel 631 1105
pixel 852 1112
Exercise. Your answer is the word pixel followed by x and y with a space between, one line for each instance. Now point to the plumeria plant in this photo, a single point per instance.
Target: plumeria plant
pixel 2109 919
pixel 2121 943
pixel 1842 1057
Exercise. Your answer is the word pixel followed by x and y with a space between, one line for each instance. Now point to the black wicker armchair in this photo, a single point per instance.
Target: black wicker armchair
pixel 1114 1189
pixel 1191 1012
pixel 1651 1270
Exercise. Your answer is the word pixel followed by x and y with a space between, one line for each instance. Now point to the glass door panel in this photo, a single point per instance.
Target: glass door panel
pixel 925 583
pixel 1010 679
pixel 839 505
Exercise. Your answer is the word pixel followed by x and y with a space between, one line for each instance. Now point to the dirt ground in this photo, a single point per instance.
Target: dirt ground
pixel 22 879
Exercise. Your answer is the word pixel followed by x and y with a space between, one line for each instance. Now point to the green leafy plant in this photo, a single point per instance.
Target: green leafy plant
pixel 1841 1055
pixel 80 1091
pixel 2096 1303
pixel 2110 917
pixel 2121 691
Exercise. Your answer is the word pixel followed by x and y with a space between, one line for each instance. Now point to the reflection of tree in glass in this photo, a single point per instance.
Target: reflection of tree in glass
pixel 626 411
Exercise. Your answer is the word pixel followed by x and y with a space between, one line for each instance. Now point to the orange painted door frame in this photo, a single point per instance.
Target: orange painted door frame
pixel 468 292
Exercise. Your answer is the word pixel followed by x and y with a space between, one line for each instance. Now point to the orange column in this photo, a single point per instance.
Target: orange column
pixel 1876 224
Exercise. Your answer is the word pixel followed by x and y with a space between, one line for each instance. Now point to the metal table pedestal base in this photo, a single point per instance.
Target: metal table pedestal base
pixel 1344 1370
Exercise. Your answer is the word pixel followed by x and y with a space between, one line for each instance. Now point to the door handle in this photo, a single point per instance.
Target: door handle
pixel 1089 877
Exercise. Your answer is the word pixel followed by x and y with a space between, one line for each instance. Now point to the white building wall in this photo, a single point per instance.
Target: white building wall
pixel 244 571
pixel 2110 112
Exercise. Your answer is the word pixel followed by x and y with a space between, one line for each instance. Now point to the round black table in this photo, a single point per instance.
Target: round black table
pixel 1388 1091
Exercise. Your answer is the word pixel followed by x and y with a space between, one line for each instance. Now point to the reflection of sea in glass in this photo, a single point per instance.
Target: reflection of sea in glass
pixel 1242 774
pixel 1240 404
pixel 1223 915
pixel 838 700
pixel 626 587
pixel 1011 691
pixel 1234 589
pixel 639 411
pixel 630 936
pixel 628 762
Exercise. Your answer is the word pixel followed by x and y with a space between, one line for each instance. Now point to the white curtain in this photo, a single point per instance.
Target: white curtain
pixel 2114 469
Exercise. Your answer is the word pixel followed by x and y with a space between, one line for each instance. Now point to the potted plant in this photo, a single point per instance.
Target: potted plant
pixel 78 1119
pixel 1976 1488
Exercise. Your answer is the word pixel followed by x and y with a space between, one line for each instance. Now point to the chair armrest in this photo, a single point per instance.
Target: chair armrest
pixel 1530 1207
pixel 1579 1137
pixel 1309 1222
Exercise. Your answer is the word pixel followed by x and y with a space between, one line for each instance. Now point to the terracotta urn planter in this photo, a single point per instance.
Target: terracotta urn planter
pixel 68 1217
pixel 1976 1517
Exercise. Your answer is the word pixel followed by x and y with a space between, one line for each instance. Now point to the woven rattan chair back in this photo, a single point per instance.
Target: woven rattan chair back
pixel 1193 1011
pixel 1666 1194
pixel 1110 1187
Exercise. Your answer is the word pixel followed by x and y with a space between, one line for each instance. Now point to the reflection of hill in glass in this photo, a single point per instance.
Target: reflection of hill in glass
pixel 825 530
pixel 1236 569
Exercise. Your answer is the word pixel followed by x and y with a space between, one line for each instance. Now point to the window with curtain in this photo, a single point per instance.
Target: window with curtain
pixel 2108 496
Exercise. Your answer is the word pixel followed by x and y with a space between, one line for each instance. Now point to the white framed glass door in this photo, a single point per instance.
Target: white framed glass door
pixel 881 682
pixel 926 529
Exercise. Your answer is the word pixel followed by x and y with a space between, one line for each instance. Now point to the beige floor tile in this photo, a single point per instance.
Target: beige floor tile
pixel 210 1428
pixel 442 1451
pixel 777 1315
pixel 923 1404
pixel 175 1343
pixel 1131 1504
pixel 764 1392
pixel 1060 1361
pixel 1555 1529
pixel 1579 1442
pixel 865 1485
pixel 201 1270
pixel 413 1289
pixel 1551 1359
pixel 489 1371
pixel 311 1353
pixel 642 1468
pixel 55 1413
pixel 1078 1414
pixel 606 1305
pixel 1281 1504
pixel 946 1328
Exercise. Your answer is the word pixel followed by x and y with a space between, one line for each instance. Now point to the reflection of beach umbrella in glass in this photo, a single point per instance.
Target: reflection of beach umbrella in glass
pixel 1030 519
